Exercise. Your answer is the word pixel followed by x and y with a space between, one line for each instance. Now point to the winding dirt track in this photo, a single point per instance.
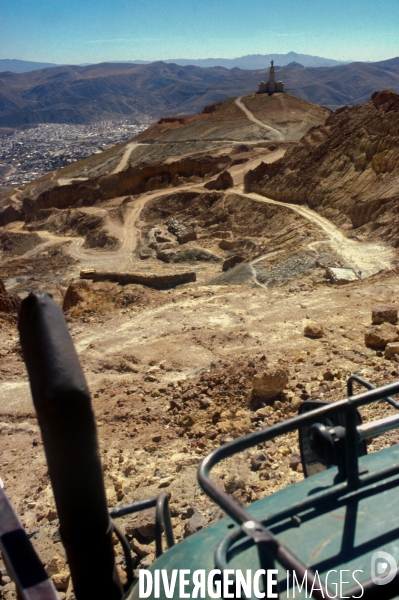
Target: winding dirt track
pixel 360 256
pixel 279 136
pixel 364 258
pixel 125 158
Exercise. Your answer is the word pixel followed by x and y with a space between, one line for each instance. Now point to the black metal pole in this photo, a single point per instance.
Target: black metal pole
pixel 63 405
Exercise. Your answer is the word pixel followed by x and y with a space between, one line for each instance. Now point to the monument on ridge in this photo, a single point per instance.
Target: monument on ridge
pixel 272 86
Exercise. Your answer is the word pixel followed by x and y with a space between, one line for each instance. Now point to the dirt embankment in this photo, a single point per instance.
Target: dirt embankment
pixel 74 222
pixel 347 169
pixel 137 180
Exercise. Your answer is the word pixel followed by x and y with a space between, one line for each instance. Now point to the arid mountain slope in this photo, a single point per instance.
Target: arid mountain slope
pixel 224 120
pixel 73 94
pixel 174 147
pixel 347 169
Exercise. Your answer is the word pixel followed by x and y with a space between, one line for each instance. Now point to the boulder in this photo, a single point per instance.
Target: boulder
pixel 295 461
pixel 182 232
pixel 391 349
pixel 145 524
pixel 188 236
pixel 270 383
pixel 195 523
pixel 384 314
pixel 223 181
pixel 57 564
pixel 232 261
pixel 189 395
pixel 313 330
pixel 61 580
pixel 381 335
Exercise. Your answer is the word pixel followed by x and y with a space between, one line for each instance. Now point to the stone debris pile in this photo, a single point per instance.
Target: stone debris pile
pixel 182 232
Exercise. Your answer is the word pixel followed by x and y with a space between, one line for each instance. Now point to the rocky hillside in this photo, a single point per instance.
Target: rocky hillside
pixel 74 94
pixel 347 169
pixel 224 120
pixel 169 152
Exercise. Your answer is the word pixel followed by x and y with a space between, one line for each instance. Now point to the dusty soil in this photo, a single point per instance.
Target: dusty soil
pixel 171 371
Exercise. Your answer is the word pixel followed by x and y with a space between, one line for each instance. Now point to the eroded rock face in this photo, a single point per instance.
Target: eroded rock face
pixel 347 169
pixel 133 180
pixel 270 383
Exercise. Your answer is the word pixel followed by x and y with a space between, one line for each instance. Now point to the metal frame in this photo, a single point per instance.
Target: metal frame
pixel 269 547
pixel 163 522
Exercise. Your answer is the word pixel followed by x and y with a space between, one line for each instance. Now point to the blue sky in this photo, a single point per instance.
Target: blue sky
pixel 80 31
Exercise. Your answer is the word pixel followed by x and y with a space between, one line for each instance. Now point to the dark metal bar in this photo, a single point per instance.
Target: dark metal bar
pixel 126 551
pixel 62 402
pixel 248 441
pixel 23 564
pixel 368 386
pixel 163 520
pixel 128 509
pixel 241 516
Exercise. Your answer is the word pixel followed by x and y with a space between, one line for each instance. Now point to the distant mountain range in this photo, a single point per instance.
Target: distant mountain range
pixel 22 66
pixel 76 94
pixel 256 61
pixel 251 61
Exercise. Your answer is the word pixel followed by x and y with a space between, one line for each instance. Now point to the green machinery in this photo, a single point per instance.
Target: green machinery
pixel 333 535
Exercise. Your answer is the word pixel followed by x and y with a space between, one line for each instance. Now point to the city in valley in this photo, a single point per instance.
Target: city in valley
pixel 31 153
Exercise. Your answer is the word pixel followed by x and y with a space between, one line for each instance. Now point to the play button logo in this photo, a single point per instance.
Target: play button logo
pixel 383 567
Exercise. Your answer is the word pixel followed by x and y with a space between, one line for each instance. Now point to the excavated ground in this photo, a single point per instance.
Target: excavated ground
pixel 171 371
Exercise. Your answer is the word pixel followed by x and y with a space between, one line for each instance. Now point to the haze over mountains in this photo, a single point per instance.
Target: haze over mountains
pixel 251 61
pixel 73 94
pixel 255 61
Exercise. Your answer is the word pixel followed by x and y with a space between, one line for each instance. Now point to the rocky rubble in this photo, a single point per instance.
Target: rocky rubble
pixel 182 232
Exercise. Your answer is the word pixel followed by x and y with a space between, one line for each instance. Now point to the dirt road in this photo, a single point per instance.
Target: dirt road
pixel 125 158
pixel 359 256
pixel 278 135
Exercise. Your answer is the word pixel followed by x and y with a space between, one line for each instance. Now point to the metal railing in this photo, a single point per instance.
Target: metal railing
pixel 270 550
